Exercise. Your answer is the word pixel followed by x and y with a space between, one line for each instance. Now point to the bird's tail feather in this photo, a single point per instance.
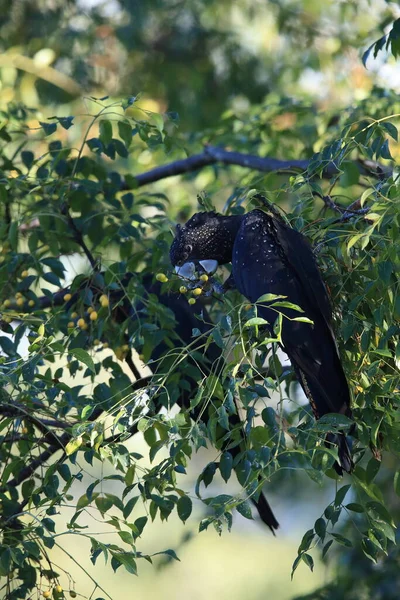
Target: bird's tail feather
pixel 265 512
pixel 321 404
pixel 345 462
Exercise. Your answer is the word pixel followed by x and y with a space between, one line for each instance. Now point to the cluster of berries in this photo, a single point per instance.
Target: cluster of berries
pixel 196 292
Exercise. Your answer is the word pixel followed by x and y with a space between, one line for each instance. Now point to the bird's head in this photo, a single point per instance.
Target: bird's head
pixel 206 236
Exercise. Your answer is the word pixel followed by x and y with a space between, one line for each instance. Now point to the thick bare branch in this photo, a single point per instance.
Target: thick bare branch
pixel 214 155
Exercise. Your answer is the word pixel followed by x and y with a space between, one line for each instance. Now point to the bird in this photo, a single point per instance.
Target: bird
pixel 180 336
pixel 270 257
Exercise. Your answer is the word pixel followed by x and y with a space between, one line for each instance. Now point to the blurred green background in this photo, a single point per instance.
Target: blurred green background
pixel 199 59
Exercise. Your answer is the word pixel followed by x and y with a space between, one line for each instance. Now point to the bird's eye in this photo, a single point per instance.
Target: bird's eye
pixel 188 249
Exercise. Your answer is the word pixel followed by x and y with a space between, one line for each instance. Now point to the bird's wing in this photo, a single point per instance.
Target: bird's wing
pixel 300 257
pixel 270 258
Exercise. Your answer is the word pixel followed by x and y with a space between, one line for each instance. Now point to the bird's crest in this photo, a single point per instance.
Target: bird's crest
pixel 199 219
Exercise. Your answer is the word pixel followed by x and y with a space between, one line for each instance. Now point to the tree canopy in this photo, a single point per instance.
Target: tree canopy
pixel 93 351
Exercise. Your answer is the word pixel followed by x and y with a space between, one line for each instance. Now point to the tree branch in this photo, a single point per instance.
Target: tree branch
pixel 79 237
pixel 214 155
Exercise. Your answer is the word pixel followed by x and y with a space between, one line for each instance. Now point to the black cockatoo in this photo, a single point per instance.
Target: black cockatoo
pixel 269 257
pixel 186 321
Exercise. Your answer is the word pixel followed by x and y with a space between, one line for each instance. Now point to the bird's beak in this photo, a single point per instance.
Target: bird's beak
pixel 210 266
pixel 188 270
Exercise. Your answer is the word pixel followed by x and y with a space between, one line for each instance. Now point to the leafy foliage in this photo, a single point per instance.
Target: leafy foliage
pixel 67 401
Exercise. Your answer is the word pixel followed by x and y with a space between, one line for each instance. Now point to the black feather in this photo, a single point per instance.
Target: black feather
pixel 269 257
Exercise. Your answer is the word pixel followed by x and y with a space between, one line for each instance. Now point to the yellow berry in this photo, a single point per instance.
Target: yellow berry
pixel 161 277
pixel 47 594
pixel 74 315
pixel 125 347
pixel 197 292
pixel 58 589
pixel 247 307
pixel 105 344
pixel 104 301
pixel 2 259
pixel 72 594
pixel 24 430
pixel 6 303
pixel 67 297
pixel 70 324
pixel 141 356
pixel 93 316
pixel 31 303
pixel 119 353
pixel 20 302
pixel 82 324
pixel 192 301
pixel 18 295
pixel 204 277
pixel 183 289
pixel 90 310
pixel 24 274
pixel 96 342
pixel 7 319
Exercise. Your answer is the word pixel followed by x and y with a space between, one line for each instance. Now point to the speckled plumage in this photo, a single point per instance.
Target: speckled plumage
pixel 269 257
pixel 211 234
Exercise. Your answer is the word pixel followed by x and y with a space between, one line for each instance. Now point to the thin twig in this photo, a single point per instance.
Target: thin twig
pixel 79 237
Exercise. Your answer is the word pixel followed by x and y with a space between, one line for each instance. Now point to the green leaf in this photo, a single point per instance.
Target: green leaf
pixel 208 473
pixel 334 420
pixel 158 121
pixel 372 469
pixel 103 503
pixel 378 512
pixel 106 132
pixel 140 524
pixel 245 510
pixel 27 488
pixel 269 298
pixel 7 345
pixel 369 549
pixel 326 548
pixel 386 529
pixel 256 321
pixel 127 559
pixel 73 445
pixel 27 158
pixel 354 239
pixel 225 465
pixel 342 540
pixel 129 506
pixel 385 151
pixel 295 565
pixel 341 493
pixel 320 528
pixel 306 541
pixel 126 537
pixel 302 320
pixel 284 304
pixel 390 129
pixel 170 553
pixel 353 506
pixel 307 558
pixel 365 195
pixel 48 128
pixel 125 132
pixel 184 507
pixel 83 357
